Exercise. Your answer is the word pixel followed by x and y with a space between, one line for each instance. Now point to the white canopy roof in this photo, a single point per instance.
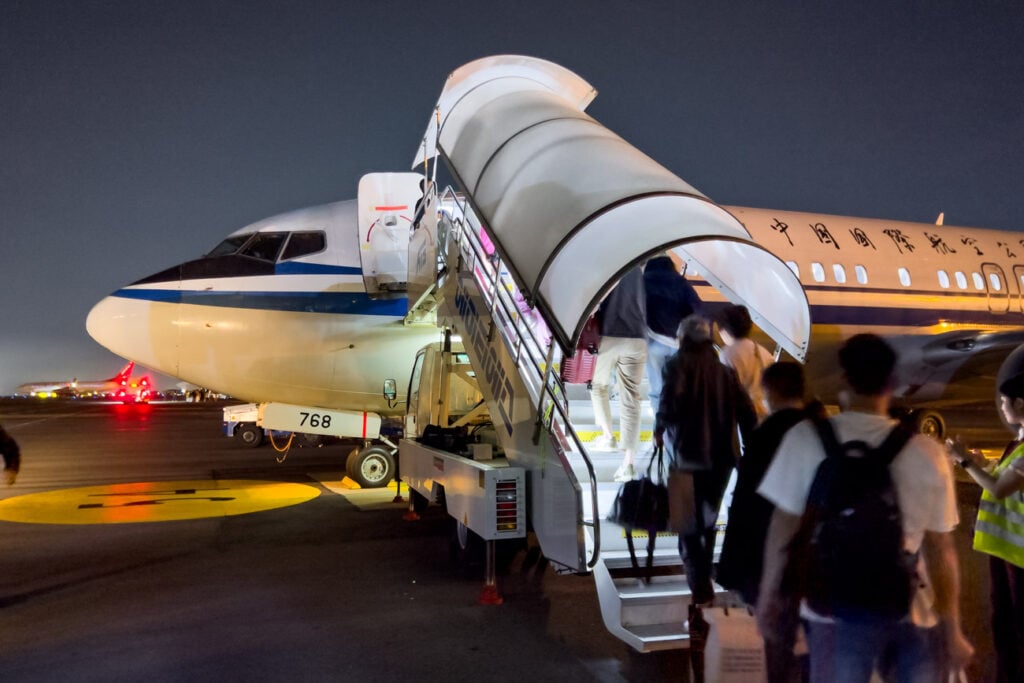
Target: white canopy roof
pixel 571 206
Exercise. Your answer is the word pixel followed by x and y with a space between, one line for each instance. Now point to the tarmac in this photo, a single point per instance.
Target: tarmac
pixel 140 543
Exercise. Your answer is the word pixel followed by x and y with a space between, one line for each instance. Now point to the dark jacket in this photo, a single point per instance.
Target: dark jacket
pixel 10 451
pixel 702 404
pixel 669 296
pixel 742 559
pixel 622 313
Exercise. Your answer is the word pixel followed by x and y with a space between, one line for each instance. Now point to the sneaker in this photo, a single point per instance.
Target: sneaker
pixel 604 443
pixel 625 473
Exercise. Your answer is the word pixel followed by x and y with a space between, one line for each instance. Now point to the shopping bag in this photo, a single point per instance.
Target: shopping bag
pixel 734 651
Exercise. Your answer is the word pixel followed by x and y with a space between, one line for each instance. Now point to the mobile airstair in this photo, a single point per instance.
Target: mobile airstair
pixel 550 210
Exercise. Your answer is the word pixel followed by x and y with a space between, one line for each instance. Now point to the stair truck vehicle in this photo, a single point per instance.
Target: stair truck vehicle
pixel 549 209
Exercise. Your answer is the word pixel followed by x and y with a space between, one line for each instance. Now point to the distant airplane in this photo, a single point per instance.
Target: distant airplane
pixel 121 386
pixel 317 308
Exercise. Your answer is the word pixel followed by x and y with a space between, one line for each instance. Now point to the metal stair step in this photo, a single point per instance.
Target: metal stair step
pixel 659 588
pixel 661 636
pixel 619 559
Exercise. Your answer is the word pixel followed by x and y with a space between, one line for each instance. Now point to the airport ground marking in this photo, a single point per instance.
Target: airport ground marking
pixel 154 501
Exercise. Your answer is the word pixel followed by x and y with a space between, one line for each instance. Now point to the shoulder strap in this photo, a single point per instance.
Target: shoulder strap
pixel 828 436
pixel 894 443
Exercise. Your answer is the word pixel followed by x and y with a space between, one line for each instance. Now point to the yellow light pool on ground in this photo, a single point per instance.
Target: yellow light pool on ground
pixel 161 501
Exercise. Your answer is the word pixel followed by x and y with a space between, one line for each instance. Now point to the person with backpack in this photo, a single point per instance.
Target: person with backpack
pixel 739 567
pixel 997 530
pixel 862 530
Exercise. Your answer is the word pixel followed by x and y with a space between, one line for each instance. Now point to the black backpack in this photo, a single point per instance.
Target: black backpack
pixel 855 563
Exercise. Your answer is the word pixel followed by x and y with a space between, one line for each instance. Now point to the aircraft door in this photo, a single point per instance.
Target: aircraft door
pixel 1018 278
pixel 386 206
pixel 998 288
pixel 412 402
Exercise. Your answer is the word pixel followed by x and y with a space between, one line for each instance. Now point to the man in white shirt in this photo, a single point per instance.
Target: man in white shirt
pixel 847 650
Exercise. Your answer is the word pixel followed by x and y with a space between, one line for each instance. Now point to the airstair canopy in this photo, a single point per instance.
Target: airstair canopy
pixel 571 206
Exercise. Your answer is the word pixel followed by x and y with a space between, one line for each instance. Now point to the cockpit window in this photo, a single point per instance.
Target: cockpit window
pixel 265 245
pixel 229 245
pixel 303 243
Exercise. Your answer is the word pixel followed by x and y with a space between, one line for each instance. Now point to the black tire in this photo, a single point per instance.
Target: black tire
pixel 351 463
pixel 249 435
pixel 371 468
pixel 930 423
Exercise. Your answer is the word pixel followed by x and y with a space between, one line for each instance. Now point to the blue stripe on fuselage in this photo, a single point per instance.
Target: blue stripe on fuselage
pixel 347 303
pixel 908 317
pixel 300 268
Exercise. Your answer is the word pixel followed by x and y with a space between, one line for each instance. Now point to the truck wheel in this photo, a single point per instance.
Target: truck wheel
pixel 371 468
pixel 930 423
pixel 250 435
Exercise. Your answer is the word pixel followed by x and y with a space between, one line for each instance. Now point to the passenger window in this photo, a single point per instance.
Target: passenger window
pixel 839 272
pixel 904 277
pixel 265 245
pixel 961 280
pixel 979 282
pixel 229 245
pixel 862 274
pixel 996 282
pixel 943 279
pixel 818 272
pixel 303 244
pixel 796 269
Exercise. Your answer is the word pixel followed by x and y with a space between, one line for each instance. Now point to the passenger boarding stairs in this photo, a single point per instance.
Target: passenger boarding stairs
pixel 547 427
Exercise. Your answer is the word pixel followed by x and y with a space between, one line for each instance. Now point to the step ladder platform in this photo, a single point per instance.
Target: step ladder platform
pixel 662 557
pixel 670 636
pixel 635 589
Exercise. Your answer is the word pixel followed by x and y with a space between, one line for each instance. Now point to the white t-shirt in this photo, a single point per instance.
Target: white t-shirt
pixel 921 474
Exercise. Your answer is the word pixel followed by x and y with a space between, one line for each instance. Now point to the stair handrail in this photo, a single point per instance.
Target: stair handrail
pixel 536 370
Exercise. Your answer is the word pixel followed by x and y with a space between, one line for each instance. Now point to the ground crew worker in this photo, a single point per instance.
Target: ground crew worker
pixel 999 532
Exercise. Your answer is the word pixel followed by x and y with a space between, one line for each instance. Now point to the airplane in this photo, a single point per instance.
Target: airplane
pixel 121 386
pixel 315 308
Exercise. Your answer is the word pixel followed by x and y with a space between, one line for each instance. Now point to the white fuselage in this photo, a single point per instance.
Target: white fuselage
pixel 304 330
pixel 300 330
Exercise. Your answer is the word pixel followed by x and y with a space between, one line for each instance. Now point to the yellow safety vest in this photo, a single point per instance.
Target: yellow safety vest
pixel 1000 527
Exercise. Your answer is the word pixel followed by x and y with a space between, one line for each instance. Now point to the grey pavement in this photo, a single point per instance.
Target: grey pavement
pixel 322 590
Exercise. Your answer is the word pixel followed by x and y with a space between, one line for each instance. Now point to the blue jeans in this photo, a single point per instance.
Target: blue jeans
pixel 848 650
pixel 657 355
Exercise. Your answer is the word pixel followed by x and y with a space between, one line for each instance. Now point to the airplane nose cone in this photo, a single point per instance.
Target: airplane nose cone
pixel 125 326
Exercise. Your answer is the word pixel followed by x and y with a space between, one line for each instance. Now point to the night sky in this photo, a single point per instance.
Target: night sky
pixel 135 135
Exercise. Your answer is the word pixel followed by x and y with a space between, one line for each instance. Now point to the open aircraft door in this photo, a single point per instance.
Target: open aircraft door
pixel 571 206
pixel 386 205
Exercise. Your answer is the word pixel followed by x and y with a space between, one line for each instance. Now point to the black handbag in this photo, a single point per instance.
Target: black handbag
pixel 643 504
